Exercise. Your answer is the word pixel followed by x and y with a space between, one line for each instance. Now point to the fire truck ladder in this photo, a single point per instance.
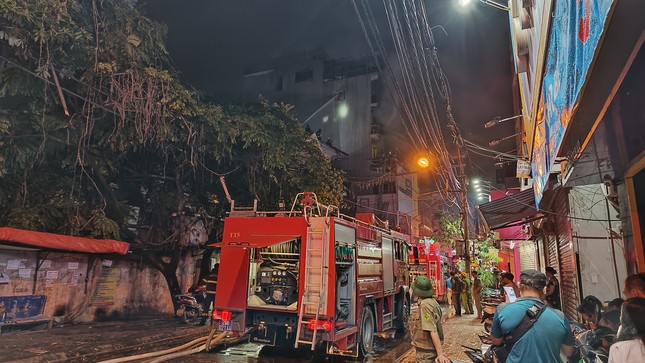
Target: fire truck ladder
pixel 315 283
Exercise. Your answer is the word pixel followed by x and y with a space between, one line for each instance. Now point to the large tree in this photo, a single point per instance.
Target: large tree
pixel 99 138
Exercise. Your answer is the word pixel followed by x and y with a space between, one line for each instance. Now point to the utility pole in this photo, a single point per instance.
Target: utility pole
pixel 464 208
pixel 452 125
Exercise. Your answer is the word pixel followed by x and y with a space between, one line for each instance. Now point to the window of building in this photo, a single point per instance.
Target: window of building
pixel 306 75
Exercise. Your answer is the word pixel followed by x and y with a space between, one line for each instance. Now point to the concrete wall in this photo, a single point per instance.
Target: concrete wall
pixel 87 286
pixel 597 263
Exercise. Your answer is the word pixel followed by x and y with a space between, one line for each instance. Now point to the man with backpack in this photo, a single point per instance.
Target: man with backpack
pixel 529 331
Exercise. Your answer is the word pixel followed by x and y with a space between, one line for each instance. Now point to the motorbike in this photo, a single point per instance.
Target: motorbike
pixel 474 354
pixel 190 306
pixel 587 346
pixel 490 300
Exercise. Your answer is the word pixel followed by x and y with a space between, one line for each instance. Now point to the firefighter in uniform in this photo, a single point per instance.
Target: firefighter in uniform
pixel 426 329
pixel 211 284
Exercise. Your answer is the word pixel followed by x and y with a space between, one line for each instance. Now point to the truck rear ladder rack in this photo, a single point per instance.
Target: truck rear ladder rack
pixel 315 269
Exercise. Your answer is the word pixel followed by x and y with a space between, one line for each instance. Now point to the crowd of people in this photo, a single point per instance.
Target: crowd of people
pixel 530 327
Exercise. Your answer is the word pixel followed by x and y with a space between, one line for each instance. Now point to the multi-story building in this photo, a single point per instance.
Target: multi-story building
pixel 345 103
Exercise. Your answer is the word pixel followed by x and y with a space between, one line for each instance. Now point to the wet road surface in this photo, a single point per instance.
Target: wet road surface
pixel 388 350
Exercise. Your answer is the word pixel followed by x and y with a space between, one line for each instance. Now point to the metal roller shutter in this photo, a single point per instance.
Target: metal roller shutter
pixel 527 256
pixel 567 259
pixel 553 252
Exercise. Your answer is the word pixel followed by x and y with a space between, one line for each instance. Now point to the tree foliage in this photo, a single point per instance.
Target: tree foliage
pixel 450 228
pixel 99 138
pixel 486 260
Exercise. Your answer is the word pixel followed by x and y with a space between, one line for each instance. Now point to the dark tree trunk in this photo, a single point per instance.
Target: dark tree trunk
pixel 169 272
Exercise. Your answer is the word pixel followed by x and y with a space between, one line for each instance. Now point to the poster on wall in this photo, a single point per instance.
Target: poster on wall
pixel 24 273
pixel 16 307
pixel 4 279
pixel 106 288
pixel 74 281
pixel 13 264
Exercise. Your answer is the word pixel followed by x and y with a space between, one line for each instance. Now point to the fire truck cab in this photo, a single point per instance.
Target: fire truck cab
pixel 313 277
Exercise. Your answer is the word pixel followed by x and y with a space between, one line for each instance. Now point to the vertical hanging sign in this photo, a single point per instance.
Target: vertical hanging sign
pixel 572 47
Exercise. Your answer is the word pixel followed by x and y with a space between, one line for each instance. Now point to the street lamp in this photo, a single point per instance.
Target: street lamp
pixel 343 110
pixel 478 183
pixel 484 197
pixel 497 120
pixel 423 162
pixel 481 187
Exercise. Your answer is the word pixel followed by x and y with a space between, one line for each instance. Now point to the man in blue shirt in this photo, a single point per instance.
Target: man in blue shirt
pixel 449 292
pixel 550 334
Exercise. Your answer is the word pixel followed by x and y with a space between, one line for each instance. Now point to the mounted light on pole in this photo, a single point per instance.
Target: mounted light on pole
pixel 493 4
pixel 497 142
pixel 497 120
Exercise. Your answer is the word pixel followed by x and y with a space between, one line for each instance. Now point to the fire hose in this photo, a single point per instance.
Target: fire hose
pixel 194 346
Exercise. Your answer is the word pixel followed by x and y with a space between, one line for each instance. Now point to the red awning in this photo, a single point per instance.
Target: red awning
pixel 62 242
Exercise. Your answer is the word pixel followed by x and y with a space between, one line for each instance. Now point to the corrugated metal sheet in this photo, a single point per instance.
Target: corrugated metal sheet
pixel 512 208
pixel 501 212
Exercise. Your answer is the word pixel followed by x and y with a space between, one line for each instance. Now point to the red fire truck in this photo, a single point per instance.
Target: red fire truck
pixel 312 277
pixel 426 260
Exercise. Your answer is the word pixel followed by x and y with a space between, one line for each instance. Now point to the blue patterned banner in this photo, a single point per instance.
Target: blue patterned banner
pixel 576 29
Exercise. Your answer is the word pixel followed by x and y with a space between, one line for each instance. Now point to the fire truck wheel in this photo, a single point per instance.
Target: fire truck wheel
pixel 367 332
pixel 402 314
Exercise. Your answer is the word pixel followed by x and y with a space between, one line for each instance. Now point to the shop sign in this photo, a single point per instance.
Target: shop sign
pixel 523 169
pixel 575 35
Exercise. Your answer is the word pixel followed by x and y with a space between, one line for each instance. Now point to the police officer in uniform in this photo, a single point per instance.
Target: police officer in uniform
pixel 425 326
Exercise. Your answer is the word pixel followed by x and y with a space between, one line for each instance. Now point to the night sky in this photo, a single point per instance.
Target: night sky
pixel 211 41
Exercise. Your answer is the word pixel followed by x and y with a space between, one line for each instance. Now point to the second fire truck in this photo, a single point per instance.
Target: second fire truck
pixel 313 277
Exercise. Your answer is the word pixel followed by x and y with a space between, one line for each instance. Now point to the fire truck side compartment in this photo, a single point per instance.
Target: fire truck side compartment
pixel 388 268
pixel 345 256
